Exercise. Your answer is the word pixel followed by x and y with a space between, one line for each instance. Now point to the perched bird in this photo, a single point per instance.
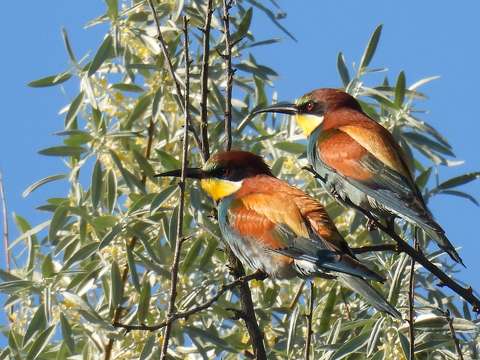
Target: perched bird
pixel 359 161
pixel 278 229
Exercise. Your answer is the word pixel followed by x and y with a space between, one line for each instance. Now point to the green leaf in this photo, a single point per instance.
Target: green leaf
pixel 37 324
pixel 128 87
pixel 133 269
pixel 112 9
pixel 81 254
pixel 243 26
pixel 48 269
pixel 161 198
pixel 96 188
pixel 343 69
pixel 370 49
pixel 67 333
pixel 51 80
pixel 40 343
pixel 192 255
pixel 291 329
pixel 209 335
pixel 148 347
pixel 140 108
pixel 116 286
pixel 14 286
pixel 63 151
pixel 144 302
pixel 108 238
pixel 328 310
pixel 400 89
pixel 351 346
pixel 102 54
pixel 460 194
pixel 167 160
pixel 422 179
pixel 143 163
pixel 111 190
pixel 58 220
pixel 374 336
pixel 132 182
pixel 459 180
pixel 405 344
pixel 68 46
pixel 292 148
pixel 260 94
pixel 42 182
pixel 73 110
pixel 419 140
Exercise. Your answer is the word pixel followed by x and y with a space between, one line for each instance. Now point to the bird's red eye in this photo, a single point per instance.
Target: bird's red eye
pixel 309 106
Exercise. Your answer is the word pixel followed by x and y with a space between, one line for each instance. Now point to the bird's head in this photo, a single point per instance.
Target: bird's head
pixel 223 174
pixel 310 109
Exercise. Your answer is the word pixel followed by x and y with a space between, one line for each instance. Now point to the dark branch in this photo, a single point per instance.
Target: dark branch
pixel 204 102
pixel 454 335
pixel 228 60
pixel 374 248
pixel 465 293
pixel 204 306
pixel 411 296
pixel 246 303
pixel 309 315
pixel 181 201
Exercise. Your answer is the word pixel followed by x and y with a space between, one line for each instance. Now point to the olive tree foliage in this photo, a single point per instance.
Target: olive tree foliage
pixel 109 242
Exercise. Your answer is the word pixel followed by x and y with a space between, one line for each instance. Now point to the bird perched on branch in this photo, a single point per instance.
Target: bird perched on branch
pixel 359 161
pixel 278 229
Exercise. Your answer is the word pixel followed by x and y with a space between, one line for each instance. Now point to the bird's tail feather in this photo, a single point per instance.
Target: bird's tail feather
pixel 372 296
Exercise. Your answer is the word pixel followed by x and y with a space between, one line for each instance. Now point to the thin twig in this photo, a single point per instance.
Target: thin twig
pixel 181 201
pixel 5 224
pixel 411 299
pixel 465 293
pixel 247 311
pixel 204 102
pixel 168 61
pixel 204 306
pixel 309 316
pixel 133 241
pixel 454 335
pixel 228 60
pixel 374 248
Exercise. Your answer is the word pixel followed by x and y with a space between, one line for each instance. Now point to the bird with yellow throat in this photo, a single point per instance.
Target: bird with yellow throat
pixel 278 229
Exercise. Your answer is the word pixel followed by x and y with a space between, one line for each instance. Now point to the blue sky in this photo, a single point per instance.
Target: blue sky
pixel 423 38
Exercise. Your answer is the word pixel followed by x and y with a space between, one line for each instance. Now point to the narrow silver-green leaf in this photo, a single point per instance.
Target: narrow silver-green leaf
pixel 37 324
pixel 73 110
pixel 144 302
pixel 351 346
pixel 101 55
pixel 116 286
pixel 370 49
pixel 51 80
pixel 96 188
pixel 63 150
pixel 67 333
pixel 39 345
pixel 343 69
pixel 42 182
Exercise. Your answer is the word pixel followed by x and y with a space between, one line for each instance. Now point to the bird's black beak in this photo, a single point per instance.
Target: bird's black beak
pixel 192 173
pixel 281 107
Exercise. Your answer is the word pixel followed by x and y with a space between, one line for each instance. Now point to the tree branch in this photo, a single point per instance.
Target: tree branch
pixel 186 314
pixel 374 248
pixel 131 244
pixel 168 61
pixel 411 298
pixel 181 201
pixel 228 60
pixel 309 316
pixel 204 77
pixel 454 335
pixel 465 293
pixel 247 308
pixel 5 224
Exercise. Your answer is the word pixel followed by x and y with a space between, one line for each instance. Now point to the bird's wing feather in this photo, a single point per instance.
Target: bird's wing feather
pixel 275 220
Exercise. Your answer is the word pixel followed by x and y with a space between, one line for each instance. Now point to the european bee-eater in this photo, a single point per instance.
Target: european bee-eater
pixel 359 160
pixel 278 229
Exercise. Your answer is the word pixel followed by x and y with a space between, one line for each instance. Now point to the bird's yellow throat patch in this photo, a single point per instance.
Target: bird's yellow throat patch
pixel 308 122
pixel 219 188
